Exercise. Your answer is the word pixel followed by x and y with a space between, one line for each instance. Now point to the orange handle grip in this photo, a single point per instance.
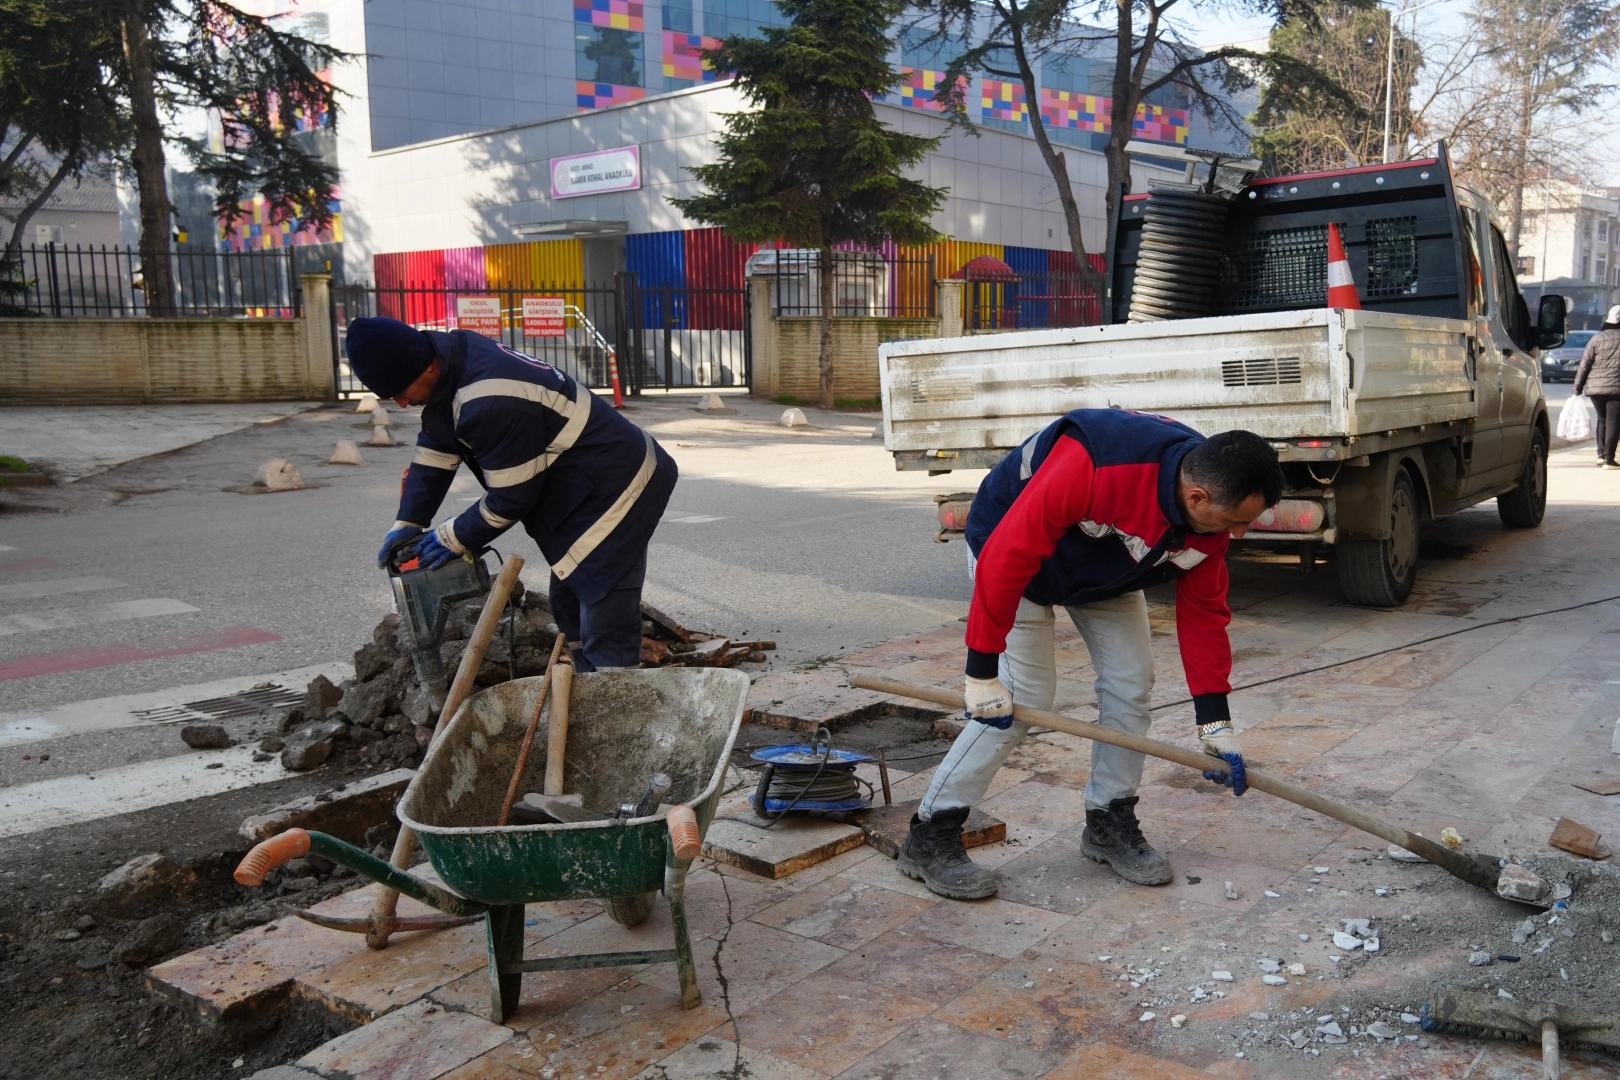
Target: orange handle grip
pixel 271 853
pixel 684 838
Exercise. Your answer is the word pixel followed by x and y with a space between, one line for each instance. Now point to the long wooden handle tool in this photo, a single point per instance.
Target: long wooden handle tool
pixel 1481 872
pixel 556 671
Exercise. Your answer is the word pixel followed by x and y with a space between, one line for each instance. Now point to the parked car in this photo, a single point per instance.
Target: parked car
pixel 1559 365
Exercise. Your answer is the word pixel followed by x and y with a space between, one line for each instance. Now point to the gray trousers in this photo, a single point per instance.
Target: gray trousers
pixel 1117 633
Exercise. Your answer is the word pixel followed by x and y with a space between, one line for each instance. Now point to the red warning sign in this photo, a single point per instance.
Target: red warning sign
pixel 480 314
pixel 543 316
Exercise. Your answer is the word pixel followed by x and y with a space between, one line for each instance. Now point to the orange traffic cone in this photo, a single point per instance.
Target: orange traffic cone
pixel 1341 286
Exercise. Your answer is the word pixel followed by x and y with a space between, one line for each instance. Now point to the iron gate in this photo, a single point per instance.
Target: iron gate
pixel 664 338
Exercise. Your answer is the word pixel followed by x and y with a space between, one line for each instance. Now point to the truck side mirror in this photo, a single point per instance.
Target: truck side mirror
pixel 1550 321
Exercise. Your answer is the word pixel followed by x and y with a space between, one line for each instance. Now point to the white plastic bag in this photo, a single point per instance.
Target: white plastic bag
pixel 1578 419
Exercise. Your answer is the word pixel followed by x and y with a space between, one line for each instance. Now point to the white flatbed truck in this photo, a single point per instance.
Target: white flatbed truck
pixel 1425 402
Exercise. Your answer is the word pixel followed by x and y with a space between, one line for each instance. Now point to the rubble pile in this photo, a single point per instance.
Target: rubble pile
pixel 384 716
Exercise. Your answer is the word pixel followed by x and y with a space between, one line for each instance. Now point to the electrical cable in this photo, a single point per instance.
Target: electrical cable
pixel 838 785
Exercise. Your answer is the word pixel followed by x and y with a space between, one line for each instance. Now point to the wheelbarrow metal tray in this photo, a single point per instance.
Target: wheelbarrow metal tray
pixel 624 725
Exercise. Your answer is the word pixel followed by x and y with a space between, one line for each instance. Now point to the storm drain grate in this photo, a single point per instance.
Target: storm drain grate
pixel 263 698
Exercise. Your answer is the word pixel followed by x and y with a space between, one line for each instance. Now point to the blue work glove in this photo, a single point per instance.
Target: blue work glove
pixel 396 540
pixel 1221 741
pixel 431 552
pixel 988 702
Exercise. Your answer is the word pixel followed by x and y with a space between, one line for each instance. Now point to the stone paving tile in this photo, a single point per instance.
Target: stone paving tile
pixel 944 1051
pixel 544 994
pixel 419 1042
pixel 611 1036
pixel 601 934
pixel 369 983
pixel 1286 740
pixel 994 926
pixel 758 961
pixel 917 965
pixel 828 1023
pixel 484 1068
pixel 742 894
pixel 1264 831
pixel 1102 1059
pixel 843 862
pixel 1057 877
pixel 842 911
pixel 915 786
pixel 714 1058
pixel 1049 807
pixel 1047 1004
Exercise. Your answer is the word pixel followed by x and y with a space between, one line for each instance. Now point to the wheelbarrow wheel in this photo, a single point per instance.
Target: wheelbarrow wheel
pixel 631 910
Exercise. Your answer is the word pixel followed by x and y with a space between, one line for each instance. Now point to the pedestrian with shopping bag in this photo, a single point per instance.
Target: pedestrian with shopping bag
pixel 1598 378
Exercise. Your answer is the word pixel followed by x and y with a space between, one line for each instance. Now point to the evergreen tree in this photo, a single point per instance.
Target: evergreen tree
pixel 810 164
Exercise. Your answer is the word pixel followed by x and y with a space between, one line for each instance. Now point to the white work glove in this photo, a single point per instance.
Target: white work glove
pixel 1220 740
pixel 988 702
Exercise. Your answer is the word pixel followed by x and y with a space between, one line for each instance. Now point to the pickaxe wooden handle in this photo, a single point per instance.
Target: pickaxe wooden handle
pixel 1482 872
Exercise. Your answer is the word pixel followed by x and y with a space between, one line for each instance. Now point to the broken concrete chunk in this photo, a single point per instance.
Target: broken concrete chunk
pixel 320 695
pixel 1411 1018
pixel 1270 967
pixel 205 736
pixel 1331 1028
pixel 1145 1017
pixel 149 939
pixel 1299 1039
pixel 1178 1020
pixel 1451 837
pixel 1296 969
pixel 1479 958
pixel 279 474
pixel 1231 891
pixel 1347 942
pixel 1221 976
pixel 1362 928
pixel 1381 1031
pixel 1371 945
pixel 1400 854
pixel 143 882
pixel 1520 883
pixel 349 813
pixel 306 749
pixel 1274 980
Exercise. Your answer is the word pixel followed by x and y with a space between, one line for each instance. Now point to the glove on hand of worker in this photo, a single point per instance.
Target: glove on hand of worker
pixel 988 702
pixel 1221 741
pixel 395 540
pixel 431 552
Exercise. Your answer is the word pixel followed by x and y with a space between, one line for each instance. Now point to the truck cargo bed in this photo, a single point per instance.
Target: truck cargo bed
pixel 1322 373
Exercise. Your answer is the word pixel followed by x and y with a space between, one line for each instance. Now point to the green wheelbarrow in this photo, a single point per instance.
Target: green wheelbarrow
pixel 624 726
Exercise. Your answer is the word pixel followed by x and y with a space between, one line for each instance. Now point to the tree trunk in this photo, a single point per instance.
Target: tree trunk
pixel 13 252
pixel 1520 164
pixel 827 300
pixel 1121 104
pixel 150 170
pixel 1058 166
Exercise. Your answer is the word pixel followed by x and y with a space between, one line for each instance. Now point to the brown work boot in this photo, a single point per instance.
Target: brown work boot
pixel 934 855
pixel 1113 836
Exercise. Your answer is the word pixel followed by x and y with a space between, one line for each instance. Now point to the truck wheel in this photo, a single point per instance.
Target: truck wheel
pixel 1523 507
pixel 1380 573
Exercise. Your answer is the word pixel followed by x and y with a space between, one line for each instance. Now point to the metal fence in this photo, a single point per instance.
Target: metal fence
pixel 869 283
pixel 57 280
pixel 661 338
pixel 1029 301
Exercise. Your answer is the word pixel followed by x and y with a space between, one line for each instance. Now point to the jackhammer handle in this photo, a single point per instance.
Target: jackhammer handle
pixel 1455 863
pixel 382 914
pixel 269 854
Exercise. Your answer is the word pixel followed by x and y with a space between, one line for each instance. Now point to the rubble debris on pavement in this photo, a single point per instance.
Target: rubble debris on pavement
pixel 205 736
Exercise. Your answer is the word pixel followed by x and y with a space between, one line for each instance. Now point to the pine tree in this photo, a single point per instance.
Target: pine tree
pixel 810 164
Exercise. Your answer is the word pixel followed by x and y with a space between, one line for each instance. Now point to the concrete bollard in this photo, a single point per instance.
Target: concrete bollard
pixel 380 437
pixel 711 402
pixel 345 453
pixel 279 474
pixel 380 417
pixel 366 403
pixel 794 418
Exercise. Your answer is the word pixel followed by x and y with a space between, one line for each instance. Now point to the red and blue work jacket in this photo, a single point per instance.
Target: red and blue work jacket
pixel 1086 510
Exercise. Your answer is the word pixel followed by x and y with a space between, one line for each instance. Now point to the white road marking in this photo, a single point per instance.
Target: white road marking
pixel 691 519
pixel 109 713
pixel 33 590
pixel 92 616
pixel 71 800
pixel 7 547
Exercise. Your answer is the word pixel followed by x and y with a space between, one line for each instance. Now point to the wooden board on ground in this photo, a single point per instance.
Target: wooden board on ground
pixel 791 845
pixel 1581 839
pixel 886 827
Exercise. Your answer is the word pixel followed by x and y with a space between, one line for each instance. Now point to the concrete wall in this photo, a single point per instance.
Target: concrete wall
pixel 139 361
pixel 787 350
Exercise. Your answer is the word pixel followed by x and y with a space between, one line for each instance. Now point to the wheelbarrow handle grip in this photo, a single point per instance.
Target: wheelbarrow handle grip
pixel 684 839
pixel 269 854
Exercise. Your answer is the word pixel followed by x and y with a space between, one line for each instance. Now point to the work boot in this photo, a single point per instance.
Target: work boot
pixel 934 855
pixel 1112 836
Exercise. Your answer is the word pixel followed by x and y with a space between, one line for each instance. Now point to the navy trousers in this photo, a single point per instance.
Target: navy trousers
pixel 606 634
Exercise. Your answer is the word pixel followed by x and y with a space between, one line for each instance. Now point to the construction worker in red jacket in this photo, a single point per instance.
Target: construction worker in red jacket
pixel 1085 515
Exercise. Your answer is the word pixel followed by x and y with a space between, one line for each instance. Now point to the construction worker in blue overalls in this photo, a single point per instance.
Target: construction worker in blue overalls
pixel 587 484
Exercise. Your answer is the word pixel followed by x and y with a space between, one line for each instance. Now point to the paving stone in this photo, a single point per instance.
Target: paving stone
pixel 422 1041
pixel 1050 1010
pixel 1057 876
pixel 886 827
pixel 283 1072
pixel 714 1058
pixel 544 994
pixel 1115 1062
pixel 345 813
pixel 1053 808
pixel 942 1051
pixel 619 1032
pixel 834 706
pixel 373 982
pixel 917 965
pixel 828 1024
pixel 781 850
pixel 842 911
pixel 994 926
pixel 758 961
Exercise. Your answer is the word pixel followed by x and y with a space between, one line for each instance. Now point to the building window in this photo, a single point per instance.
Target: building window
pixel 1602 273
pixel 1603 230
pixel 1525 264
pixel 1586 267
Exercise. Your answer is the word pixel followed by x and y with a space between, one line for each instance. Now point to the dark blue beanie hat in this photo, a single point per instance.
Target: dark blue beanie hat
pixel 387 355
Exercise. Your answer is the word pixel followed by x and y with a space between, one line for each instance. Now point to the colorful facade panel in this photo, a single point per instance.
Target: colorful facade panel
pixel 999 100
pixel 924 88
pixel 591 95
pixel 613 14
pixel 1157 123
pixel 683 57
pixel 257 232
pixel 1091 112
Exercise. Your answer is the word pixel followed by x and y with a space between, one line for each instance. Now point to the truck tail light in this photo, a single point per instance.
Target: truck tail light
pixel 953 511
pixel 1292 516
